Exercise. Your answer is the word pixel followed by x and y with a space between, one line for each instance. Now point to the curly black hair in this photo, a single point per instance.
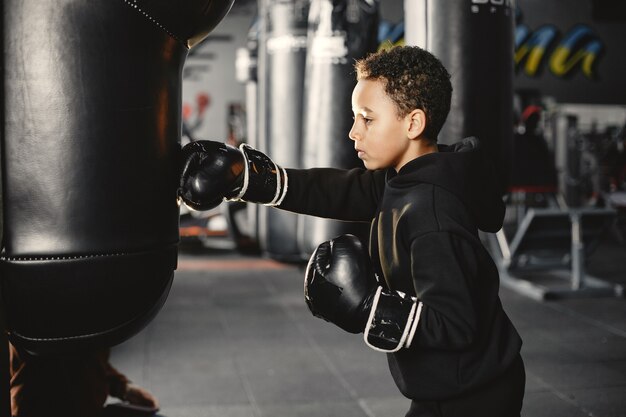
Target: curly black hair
pixel 414 79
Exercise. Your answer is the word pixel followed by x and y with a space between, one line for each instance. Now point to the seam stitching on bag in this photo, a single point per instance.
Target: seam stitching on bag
pixel 134 5
pixel 59 258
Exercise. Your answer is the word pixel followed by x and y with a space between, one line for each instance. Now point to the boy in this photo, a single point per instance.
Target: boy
pixel 451 348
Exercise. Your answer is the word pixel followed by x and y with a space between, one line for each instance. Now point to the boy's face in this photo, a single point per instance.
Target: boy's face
pixel 379 136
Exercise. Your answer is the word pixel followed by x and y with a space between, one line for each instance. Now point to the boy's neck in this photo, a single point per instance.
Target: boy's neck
pixel 425 146
pixel 420 147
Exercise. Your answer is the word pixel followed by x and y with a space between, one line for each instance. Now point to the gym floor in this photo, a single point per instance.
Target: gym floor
pixel 235 339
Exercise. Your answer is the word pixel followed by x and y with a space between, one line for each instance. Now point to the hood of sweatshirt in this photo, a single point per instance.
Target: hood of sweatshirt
pixel 463 169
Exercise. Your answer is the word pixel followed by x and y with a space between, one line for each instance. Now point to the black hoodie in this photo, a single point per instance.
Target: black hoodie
pixel 424 242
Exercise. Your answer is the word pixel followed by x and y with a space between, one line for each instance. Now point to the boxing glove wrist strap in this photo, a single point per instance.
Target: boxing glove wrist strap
pixel 392 322
pixel 264 181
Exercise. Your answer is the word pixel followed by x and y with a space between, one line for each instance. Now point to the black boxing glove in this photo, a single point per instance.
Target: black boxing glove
pixel 213 171
pixel 340 287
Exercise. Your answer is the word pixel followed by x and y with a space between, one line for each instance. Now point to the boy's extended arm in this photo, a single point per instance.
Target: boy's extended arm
pixel 350 195
pixel 212 171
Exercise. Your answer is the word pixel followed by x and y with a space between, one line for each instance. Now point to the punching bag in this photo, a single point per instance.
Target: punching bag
pixel 5 397
pixel 92 124
pixel 247 74
pixel 281 87
pixel 340 32
pixel 474 40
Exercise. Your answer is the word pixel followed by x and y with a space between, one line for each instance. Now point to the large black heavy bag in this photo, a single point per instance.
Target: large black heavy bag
pixel 92 122
pixel 474 40
pixel 282 57
pixel 340 32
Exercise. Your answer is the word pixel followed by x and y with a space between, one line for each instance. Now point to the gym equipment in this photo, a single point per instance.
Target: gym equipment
pixel 546 256
pixel 92 124
pixel 341 287
pixel 474 40
pixel 247 73
pixel 213 171
pixel 339 33
pixel 282 52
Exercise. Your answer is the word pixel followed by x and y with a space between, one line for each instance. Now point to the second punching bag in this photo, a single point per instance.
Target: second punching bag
pixel 474 40
pixel 92 123
pixel 340 31
pixel 281 85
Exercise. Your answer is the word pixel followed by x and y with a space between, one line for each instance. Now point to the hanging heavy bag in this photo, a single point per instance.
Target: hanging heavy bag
pixel 475 43
pixel 92 122
pixel 340 32
pixel 282 53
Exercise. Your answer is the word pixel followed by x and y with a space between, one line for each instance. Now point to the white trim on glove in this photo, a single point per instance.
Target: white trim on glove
pixel 416 321
pixel 281 182
pixel 246 174
pixel 410 327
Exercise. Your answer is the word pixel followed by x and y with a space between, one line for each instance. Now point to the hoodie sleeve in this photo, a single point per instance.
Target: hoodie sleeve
pixel 444 269
pixel 350 195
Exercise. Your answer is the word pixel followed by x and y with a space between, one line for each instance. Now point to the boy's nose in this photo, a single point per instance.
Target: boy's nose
pixel 353 132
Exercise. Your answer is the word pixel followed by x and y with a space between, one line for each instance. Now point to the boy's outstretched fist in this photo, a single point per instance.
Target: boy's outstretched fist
pixel 341 287
pixel 213 171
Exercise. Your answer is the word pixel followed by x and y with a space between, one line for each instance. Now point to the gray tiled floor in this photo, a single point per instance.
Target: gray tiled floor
pixel 238 341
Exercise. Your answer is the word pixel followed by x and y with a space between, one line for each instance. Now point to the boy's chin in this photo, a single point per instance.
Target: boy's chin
pixel 369 165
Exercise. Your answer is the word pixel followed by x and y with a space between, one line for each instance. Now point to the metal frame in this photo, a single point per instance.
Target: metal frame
pixel 569 268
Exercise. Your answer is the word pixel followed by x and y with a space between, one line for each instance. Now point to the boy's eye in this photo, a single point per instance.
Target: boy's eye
pixel 366 120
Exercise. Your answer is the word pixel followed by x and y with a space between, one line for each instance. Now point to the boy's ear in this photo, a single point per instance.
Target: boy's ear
pixel 417 123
